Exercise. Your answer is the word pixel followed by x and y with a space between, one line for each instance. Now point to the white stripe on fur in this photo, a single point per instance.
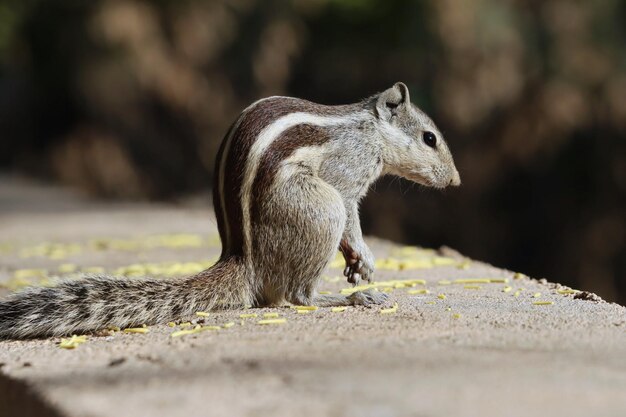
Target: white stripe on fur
pixel 263 141
pixel 222 162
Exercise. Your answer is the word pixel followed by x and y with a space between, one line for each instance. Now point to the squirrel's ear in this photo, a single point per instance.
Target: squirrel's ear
pixel 392 98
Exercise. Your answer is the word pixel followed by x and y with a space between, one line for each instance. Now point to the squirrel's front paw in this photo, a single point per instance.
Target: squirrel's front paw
pixel 359 266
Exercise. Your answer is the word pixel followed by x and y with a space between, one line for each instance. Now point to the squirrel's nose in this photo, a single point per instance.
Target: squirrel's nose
pixel 455 181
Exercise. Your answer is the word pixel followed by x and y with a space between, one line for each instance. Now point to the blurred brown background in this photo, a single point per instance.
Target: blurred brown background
pixel 130 99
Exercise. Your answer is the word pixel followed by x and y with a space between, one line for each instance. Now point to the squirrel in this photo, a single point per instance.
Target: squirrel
pixel 288 180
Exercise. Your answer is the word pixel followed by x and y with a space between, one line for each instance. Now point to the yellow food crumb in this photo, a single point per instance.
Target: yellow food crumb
pixel 404 264
pixel 202 314
pixel 136 330
pixel 324 292
pixel 29 273
pixel 542 303
pixel 50 250
pixel 16 283
pixel 72 342
pixel 387 263
pixel 516 294
pixel 67 268
pixel 537 295
pixel 248 315
pixel 271 315
pixel 567 291
pixel 195 330
pixel 456 316
pixel 430 302
pixel 421 291
pixel 303 311
pixel 472 281
pixel 498 280
pixel 518 275
pixel 384 284
pixel 114 328
pixel 93 269
pixel 166 269
pixel 305 308
pixel 57 254
pixel 390 310
pixel 228 325
pixel 443 261
pixel 171 324
pixel 338 309
pixel 507 289
pixel 272 321
pixel 441 296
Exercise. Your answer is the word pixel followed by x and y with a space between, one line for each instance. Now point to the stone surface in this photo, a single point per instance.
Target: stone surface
pixel 477 350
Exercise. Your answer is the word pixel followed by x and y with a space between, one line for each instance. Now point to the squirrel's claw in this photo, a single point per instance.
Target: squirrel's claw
pixel 358 268
pixel 358 272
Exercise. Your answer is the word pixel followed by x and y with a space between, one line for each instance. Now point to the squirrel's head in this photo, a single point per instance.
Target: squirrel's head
pixel 414 147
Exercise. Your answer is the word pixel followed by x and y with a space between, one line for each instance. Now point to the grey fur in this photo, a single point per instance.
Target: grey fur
pixel 308 208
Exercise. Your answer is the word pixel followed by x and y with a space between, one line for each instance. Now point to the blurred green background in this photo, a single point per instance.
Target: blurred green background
pixel 129 99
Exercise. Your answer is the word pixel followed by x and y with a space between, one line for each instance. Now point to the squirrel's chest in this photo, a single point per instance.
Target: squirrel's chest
pixel 351 169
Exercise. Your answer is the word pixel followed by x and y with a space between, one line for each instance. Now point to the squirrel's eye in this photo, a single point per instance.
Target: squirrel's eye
pixel 430 139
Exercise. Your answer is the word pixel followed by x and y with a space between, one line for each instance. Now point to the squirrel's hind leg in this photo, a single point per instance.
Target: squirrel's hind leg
pixel 295 233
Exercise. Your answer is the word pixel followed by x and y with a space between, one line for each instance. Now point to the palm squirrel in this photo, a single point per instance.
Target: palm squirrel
pixel 288 180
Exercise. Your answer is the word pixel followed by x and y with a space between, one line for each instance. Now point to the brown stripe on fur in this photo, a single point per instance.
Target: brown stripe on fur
pixel 252 123
pixel 217 202
pixel 283 147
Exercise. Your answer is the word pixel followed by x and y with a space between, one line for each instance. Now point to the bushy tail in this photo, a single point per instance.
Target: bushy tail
pixel 96 302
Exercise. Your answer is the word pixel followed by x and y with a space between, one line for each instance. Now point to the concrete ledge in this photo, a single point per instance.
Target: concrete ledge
pixel 479 349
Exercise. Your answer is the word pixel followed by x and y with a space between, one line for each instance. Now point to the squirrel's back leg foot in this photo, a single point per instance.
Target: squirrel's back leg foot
pixel 368 298
pixel 358 298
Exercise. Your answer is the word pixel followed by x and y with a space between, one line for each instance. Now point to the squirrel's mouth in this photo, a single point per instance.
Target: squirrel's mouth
pixel 427 181
pixel 434 178
pixel 422 179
